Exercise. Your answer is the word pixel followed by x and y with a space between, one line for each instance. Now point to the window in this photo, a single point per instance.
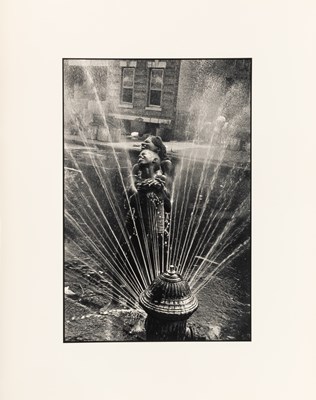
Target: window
pixel 155 87
pixel 127 85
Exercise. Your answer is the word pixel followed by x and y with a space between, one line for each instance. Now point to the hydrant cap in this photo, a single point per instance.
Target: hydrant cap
pixel 169 297
pixel 172 269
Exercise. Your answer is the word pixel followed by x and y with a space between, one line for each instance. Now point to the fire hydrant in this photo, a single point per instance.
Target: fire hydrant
pixel 168 301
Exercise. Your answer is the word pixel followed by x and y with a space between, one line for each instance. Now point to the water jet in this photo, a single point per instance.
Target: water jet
pixel 124 245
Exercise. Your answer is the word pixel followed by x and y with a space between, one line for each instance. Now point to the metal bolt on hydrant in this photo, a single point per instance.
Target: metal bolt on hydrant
pixel 169 303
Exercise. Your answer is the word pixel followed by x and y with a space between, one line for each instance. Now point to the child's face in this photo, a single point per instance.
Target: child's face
pixel 148 144
pixel 147 157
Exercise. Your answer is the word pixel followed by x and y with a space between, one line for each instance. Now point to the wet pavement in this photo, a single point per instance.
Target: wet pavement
pixel 220 317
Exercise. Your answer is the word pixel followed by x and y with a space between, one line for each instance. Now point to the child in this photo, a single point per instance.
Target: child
pixel 147 220
pixel 147 223
pixel 155 144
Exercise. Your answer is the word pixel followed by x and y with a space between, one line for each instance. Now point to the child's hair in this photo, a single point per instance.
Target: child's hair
pixel 162 151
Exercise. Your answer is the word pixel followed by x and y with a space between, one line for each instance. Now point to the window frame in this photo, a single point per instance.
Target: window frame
pixel 122 86
pixel 150 89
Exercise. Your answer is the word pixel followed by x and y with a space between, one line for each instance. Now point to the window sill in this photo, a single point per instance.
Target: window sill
pixel 153 108
pixel 126 105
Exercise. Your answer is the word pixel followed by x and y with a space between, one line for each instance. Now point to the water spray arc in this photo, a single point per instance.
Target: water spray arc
pixel 208 220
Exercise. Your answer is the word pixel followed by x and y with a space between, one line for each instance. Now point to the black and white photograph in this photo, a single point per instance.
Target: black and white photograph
pixel 157 199
pixel 157 226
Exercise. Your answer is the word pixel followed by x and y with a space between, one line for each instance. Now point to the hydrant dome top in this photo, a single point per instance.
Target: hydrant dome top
pixel 169 297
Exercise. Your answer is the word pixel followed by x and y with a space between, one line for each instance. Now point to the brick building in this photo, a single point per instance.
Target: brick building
pixel 132 95
pixel 143 95
pixel 171 98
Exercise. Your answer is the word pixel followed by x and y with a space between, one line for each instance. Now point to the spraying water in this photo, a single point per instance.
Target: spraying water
pixel 210 204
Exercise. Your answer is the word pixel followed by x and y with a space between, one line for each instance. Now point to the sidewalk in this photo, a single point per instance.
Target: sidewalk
pixel 175 150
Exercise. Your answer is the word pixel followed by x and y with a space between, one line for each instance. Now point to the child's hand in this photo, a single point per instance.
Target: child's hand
pixel 149 184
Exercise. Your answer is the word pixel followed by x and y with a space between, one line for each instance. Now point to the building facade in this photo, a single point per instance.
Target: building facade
pixel 176 99
pixel 129 95
pixel 143 95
